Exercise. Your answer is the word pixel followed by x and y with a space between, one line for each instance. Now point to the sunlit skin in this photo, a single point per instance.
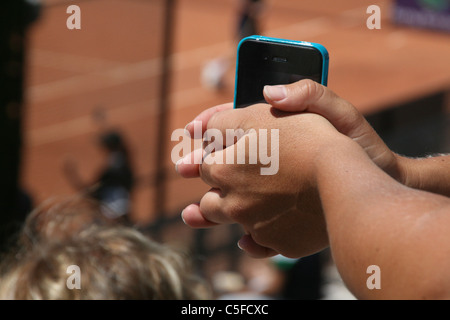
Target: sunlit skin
pixel 338 186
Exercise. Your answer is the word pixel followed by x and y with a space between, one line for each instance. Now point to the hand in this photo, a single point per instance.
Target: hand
pixel 307 96
pixel 281 212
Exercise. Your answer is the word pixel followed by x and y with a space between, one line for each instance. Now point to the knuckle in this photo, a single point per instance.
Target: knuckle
pixel 310 88
pixel 212 174
pixel 210 208
pixel 234 211
pixel 215 172
pixel 217 119
pixel 261 238
pixel 213 121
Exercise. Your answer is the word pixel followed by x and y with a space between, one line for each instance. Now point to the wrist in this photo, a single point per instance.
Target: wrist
pixel 406 174
pixel 334 156
pixel 427 174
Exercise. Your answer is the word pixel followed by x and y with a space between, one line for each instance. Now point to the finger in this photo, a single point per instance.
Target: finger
pixel 310 96
pixel 221 168
pixel 213 170
pixel 188 167
pixel 213 207
pixel 193 217
pixel 247 244
pixel 227 127
pixel 242 118
pixel 298 96
pixel 201 121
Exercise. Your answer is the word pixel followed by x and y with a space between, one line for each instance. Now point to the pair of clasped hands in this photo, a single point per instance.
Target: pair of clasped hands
pixel 280 213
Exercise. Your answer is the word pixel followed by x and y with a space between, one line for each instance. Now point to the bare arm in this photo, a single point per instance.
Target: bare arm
pixel 374 220
pixel 366 216
pixel 429 174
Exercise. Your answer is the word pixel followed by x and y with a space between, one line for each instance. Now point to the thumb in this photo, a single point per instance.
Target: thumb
pixel 247 244
pixel 310 96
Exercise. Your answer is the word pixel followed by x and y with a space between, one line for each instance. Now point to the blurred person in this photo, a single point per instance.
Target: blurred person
pixel 113 185
pixel 113 262
pixel 339 186
pixel 248 23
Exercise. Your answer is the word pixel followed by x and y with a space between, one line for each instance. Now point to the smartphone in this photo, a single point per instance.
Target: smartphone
pixel 270 61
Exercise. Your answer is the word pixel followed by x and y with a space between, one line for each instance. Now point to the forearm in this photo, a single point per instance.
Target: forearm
pixel 429 174
pixel 374 220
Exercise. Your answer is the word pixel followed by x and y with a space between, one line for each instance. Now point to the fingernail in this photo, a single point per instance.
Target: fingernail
pixel 196 127
pixel 185 160
pixel 186 129
pixel 182 218
pixel 275 93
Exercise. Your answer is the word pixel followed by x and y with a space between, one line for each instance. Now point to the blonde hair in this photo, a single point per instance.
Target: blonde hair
pixel 60 218
pixel 114 261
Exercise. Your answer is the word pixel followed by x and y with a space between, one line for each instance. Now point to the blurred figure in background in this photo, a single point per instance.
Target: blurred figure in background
pixel 114 183
pixel 249 13
pixel 248 20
